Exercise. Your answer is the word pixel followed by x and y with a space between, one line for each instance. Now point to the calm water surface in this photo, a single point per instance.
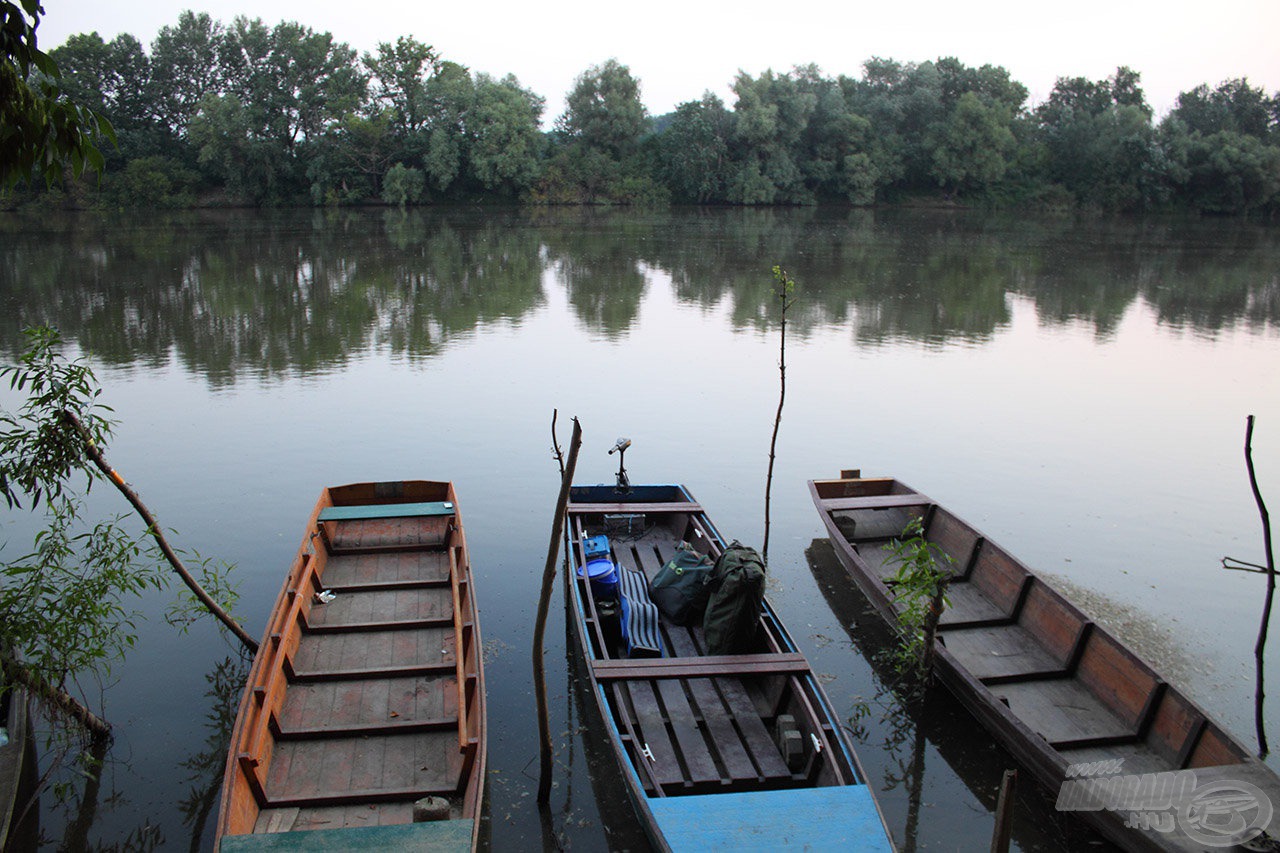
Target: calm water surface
pixel 1077 390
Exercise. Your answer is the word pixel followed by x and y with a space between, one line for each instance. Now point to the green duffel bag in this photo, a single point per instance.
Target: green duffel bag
pixel 680 587
pixel 737 597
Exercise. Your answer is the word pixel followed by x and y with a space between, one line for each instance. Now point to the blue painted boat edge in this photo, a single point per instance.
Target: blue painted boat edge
pixel 842 817
pixel 446 835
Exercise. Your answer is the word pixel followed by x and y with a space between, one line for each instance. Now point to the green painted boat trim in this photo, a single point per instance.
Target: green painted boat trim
pixel 435 835
pixel 356 513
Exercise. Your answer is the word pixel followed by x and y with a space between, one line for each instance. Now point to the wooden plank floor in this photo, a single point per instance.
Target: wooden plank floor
pixel 369 722
pixel 991 645
pixel 1061 710
pixel 999 652
pixel 362 570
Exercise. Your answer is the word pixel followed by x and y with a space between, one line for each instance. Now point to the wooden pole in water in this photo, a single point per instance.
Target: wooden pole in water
pixel 1003 832
pixel 784 288
pixel 544 602
pixel 1260 647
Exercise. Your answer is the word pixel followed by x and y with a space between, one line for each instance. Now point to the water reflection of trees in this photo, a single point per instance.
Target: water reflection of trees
pixel 231 292
pixel 269 294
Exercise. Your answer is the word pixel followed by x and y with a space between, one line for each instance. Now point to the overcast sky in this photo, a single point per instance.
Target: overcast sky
pixel 680 48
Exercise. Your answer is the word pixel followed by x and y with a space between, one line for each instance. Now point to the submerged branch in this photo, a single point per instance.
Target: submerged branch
pixel 55 697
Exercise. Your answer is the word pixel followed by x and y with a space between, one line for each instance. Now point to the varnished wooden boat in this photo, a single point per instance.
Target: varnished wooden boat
pixel 696 736
pixel 1097 725
pixel 362 705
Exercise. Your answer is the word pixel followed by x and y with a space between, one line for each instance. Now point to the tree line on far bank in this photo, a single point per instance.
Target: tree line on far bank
pixel 247 113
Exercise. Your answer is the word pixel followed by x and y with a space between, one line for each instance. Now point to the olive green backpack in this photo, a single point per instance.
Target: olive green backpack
pixel 737 596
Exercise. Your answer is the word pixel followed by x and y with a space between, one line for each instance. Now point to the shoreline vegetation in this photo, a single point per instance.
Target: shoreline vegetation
pixel 248 114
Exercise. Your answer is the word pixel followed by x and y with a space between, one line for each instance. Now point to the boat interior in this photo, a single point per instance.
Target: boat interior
pixel 366 696
pixel 693 723
pixel 1058 672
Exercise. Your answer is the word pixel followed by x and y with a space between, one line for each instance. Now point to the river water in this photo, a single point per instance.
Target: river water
pixel 1077 389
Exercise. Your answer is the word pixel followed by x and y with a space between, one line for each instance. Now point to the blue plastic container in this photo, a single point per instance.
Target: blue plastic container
pixel 603 577
pixel 595 547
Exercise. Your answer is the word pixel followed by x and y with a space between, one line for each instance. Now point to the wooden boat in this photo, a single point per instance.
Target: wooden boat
pixel 15 758
pixel 362 725
pixel 1095 724
pixel 697 736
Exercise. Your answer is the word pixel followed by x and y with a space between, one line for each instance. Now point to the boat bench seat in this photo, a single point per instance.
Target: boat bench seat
pixel 712 666
pixel 372 511
pixel 386 527
pixel 640 616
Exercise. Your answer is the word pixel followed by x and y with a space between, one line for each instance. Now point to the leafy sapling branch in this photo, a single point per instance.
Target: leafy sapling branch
pixel 66 605
pixel 920 590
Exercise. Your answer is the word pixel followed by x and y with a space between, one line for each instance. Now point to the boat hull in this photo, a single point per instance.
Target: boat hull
pixel 363 722
pixel 696 736
pixel 1068 700
pixel 17 772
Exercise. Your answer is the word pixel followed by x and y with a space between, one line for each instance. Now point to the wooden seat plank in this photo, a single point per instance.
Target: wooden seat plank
pixel 371 511
pixel 701 667
pixel 874 502
pixel 601 508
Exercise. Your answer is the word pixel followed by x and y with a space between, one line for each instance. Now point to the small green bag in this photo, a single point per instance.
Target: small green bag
pixel 680 587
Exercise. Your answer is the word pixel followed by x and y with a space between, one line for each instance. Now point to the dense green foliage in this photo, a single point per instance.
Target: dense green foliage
pixel 247 113
pixel 41 130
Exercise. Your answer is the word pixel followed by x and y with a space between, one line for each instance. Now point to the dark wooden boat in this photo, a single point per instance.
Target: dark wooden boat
pixel 360 706
pixel 1096 724
pixel 697 736
pixel 15 756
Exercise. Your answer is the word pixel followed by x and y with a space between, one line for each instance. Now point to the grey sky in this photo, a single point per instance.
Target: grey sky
pixel 680 48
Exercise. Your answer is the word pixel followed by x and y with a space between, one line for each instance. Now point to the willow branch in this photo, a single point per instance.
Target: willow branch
pixel 153 528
